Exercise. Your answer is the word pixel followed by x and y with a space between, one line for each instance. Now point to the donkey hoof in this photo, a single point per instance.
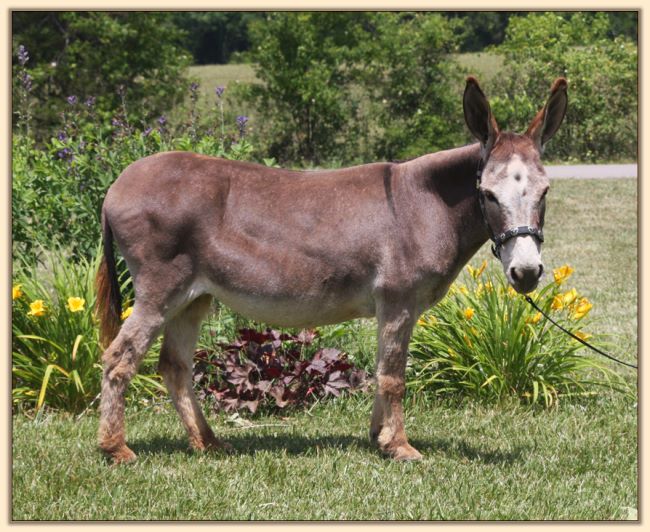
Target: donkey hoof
pixel 219 446
pixel 213 444
pixel 122 455
pixel 406 453
pixel 402 453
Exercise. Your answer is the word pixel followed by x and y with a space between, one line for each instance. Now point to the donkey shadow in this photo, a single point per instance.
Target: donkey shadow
pixel 455 448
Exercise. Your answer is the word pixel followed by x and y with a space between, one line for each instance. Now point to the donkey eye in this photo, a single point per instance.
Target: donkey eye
pixel 490 197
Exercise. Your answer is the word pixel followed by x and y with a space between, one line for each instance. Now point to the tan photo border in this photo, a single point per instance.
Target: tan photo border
pixel 198 5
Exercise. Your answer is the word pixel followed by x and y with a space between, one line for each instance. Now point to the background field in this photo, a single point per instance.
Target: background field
pixel 578 461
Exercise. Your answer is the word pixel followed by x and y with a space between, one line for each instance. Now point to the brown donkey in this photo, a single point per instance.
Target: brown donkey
pixel 301 249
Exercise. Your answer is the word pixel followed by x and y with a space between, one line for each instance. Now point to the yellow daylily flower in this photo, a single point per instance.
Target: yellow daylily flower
pixel 468 341
pixel 582 308
pixel 569 297
pixel 488 286
pixel 36 308
pixel 558 303
pixel 468 313
pixel 463 290
pixel 562 273
pixel 126 313
pixel 16 291
pixel 476 272
pixel 76 304
pixel 582 336
pixel 535 318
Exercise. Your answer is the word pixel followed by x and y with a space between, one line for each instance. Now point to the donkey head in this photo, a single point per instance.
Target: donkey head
pixel 513 183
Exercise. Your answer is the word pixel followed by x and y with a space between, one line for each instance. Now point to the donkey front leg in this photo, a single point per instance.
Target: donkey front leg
pixel 395 324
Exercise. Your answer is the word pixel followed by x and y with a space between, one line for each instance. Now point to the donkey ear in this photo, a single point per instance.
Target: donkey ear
pixel 478 116
pixel 548 119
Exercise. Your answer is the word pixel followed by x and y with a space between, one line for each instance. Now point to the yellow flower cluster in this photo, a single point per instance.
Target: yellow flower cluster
pixel 37 308
pixel 476 272
pixel 562 273
pixel 16 291
pixel 578 306
pixel 535 318
pixel 126 313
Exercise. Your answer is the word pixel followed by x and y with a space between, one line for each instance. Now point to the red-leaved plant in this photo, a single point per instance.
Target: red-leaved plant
pixel 269 368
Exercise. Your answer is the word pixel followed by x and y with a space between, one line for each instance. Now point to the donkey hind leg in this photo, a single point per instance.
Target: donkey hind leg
pixel 387 422
pixel 176 360
pixel 121 360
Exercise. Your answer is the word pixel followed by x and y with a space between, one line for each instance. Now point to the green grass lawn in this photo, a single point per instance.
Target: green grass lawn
pixel 577 461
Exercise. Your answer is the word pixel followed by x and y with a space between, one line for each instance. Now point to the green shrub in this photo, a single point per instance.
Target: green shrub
pixel 483 340
pixel 601 121
pixel 107 56
pixel 55 341
pixel 58 187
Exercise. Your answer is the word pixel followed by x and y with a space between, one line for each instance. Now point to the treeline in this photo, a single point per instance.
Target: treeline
pixel 336 87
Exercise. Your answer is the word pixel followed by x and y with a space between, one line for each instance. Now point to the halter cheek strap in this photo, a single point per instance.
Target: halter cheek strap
pixel 502 238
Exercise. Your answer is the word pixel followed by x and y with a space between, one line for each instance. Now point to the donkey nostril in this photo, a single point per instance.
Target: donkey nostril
pixel 541 271
pixel 513 273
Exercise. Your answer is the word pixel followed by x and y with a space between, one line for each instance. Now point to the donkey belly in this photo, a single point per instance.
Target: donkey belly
pixel 299 311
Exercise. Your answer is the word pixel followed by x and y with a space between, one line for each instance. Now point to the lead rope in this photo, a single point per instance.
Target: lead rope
pixel 528 298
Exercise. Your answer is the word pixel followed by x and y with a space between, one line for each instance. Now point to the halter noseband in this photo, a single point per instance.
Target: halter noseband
pixel 502 238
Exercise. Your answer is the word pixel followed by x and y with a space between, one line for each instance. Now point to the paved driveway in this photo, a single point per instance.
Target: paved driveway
pixel 591 171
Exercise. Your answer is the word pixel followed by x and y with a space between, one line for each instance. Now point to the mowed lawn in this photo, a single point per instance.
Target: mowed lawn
pixel 575 462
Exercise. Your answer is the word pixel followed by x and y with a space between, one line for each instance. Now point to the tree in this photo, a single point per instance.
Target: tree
pixel 349 84
pixel 601 122
pixel 414 87
pixel 305 63
pixel 213 36
pixel 108 56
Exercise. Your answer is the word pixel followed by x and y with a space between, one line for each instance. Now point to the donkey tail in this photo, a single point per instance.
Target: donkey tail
pixel 109 300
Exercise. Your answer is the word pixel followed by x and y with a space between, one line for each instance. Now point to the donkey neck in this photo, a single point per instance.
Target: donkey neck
pixel 448 180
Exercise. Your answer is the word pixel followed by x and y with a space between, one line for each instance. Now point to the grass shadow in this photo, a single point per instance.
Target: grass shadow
pixel 160 445
pixel 455 448
pixel 297 445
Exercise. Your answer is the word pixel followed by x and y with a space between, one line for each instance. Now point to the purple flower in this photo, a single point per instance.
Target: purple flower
pixel 147 132
pixel 194 86
pixel 162 120
pixel 65 154
pixel 23 55
pixel 116 122
pixel 90 101
pixel 26 81
pixel 219 91
pixel 61 136
pixel 72 100
pixel 241 124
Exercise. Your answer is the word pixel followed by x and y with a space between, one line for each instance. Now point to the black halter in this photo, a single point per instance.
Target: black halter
pixel 502 238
